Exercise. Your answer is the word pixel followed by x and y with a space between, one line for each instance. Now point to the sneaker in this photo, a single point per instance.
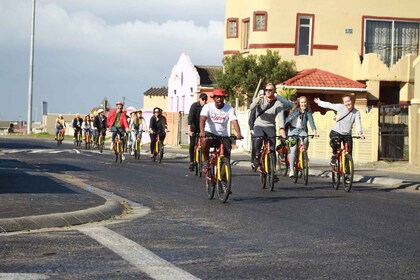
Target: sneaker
pixel 205 166
pixel 333 160
pixel 152 155
pixel 191 167
pixel 123 157
pixel 254 165
pixel 132 153
pixel 111 146
pixel 291 174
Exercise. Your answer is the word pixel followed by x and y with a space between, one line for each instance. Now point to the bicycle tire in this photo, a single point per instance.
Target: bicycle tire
pixel 283 163
pixel 138 148
pixel 224 184
pixel 348 172
pixel 335 175
pixel 101 145
pixel 305 167
pixel 271 170
pixel 210 182
pixel 296 171
pixel 199 163
pixel 121 151
pixel 263 174
pixel 160 152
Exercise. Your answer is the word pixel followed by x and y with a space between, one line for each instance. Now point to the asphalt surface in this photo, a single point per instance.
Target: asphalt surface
pixel 54 207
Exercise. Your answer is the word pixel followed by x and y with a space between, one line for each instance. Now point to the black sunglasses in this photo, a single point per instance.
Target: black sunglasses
pixel 268 89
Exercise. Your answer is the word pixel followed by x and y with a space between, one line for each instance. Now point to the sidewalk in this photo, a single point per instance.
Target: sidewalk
pixel 32 199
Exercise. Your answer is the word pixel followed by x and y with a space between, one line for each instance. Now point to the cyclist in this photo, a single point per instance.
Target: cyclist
pixel 158 125
pixel 59 124
pixel 137 126
pixel 77 125
pixel 99 124
pixel 117 122
pixel 297 122
pixel 347 115
pixel 87 125
pixel 194 125
pixel 268 111
pixel 214 121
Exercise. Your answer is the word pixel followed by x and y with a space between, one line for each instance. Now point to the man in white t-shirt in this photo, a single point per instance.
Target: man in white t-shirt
pixel 214 121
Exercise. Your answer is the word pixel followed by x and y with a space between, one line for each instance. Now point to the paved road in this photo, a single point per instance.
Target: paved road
pixel 293 233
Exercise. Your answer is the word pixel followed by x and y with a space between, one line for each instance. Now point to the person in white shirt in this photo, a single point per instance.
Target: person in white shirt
pixel 214 121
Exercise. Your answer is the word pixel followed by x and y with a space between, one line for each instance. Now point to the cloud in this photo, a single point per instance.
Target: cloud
pixel 87 50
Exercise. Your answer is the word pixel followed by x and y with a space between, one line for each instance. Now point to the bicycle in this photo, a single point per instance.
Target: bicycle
pixel 198 155
pixel 88 140
pixel 78 140
pixel 282 155
pixel 60 136
pixel 158 151
pixel 137 146
pixel 344 165
pixel 301 164
pixel 101 141
pixel 219 172
pixel 267 164
pixel 119 147
pixel 126 142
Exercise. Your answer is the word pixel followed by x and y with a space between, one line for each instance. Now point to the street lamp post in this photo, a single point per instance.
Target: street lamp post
pixel 31 70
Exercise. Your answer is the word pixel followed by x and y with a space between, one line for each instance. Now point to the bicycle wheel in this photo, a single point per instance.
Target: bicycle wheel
pixel 160 152
pixel 199 163
pixel 120 151
pixel 348 172
pixel 263 173
pixel 283 163
pixel 305 167
pixel 137 151
pixel 335 175
pixel 223 185
pixel 101 144
pixel 210 182
pixel 271 171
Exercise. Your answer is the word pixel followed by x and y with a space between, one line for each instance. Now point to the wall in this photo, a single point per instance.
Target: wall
pixel 150 102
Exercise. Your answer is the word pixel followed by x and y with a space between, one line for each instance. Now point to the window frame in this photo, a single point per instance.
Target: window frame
pixel 392 21
pixel 246 26
pixel 228 22
pixel 311 26
pixel 260 13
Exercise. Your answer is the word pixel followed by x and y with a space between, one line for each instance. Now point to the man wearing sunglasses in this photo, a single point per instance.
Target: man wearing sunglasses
pixel 269 111
pixel 194 125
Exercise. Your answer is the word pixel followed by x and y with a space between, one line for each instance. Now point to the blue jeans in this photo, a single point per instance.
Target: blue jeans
pixel 114 131
pixel 134 134
pixel 292 150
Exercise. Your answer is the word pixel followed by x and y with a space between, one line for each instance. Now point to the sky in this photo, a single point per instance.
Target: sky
pixel 86 50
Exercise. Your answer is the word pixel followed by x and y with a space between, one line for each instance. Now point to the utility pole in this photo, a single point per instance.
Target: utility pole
pixel 31 71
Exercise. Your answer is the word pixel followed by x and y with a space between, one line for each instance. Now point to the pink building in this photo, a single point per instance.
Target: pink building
pixel 187 82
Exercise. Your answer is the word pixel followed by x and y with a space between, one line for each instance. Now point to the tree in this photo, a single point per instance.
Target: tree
pixel 241 74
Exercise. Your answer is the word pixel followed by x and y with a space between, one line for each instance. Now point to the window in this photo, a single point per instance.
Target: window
pixel 232 28
pixel 245 34
pixel 391 39
pixel 260 21
pixel 304 35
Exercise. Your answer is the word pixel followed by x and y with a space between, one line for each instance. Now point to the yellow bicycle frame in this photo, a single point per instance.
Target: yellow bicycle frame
pixel 196 153
pixel 219 170
pixel 343 162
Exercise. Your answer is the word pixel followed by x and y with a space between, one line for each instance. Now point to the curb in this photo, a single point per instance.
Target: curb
pixel 106 211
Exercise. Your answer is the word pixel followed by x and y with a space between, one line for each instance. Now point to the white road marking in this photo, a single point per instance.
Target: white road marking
pixel 137 255
pixel 22 276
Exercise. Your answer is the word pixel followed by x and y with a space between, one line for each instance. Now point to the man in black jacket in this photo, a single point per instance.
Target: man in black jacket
pixel 99 124
pixel 194 125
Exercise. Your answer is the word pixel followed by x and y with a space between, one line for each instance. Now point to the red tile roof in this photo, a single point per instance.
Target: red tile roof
pixel 322 79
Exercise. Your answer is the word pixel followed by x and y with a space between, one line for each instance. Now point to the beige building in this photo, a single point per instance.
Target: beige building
pixel 372 41
pixel 156 97
pixel 375 43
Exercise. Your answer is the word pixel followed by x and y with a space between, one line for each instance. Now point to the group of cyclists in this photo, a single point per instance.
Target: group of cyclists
pixel 206 120
pixel 268 111
pixel 119 123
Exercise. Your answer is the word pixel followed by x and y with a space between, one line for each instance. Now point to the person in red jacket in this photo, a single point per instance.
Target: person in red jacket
pixel 117 122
